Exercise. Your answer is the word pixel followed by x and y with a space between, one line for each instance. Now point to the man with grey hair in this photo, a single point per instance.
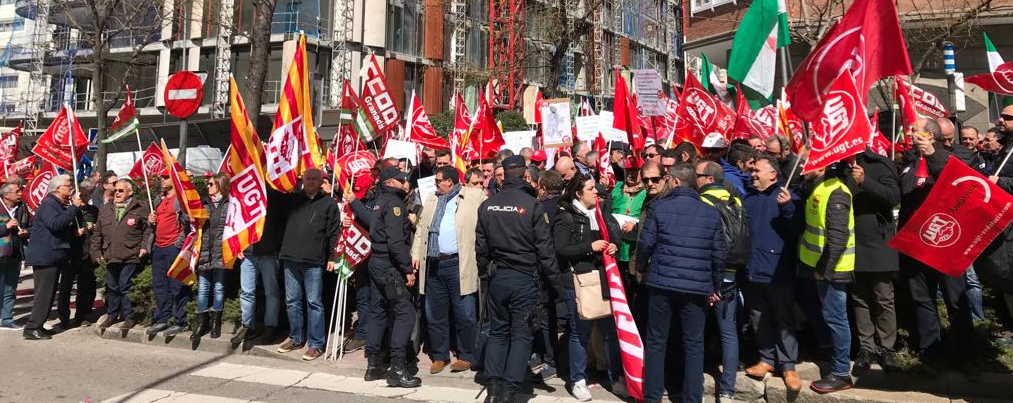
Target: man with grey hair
pixel 53 229
pixel 13 220
pixel 120 240
pixel 779 147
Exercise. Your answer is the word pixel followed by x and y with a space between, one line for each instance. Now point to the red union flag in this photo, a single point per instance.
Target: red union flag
pixel 38 188
pixel 380 108
pixel 999 81
pixel 354 165
pixel 867 43
pixel 963 213
pixel 9 145
pixel 842 130
pixel 55 144
pixel 247 211
pixel 604 161
pixel 22 167
pixel 926 103
pixel 420 130
pixel 150 164
pixel 284 149
pixel 701 114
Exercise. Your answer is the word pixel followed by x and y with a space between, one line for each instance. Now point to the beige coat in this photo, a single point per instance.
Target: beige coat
pixel 466 218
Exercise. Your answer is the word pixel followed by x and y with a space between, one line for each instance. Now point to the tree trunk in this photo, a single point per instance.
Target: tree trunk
pixel 260 57
pixel 98 78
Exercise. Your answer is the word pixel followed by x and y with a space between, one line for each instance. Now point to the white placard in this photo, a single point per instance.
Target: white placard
pixel 605 126
pixel 647 84
pixel 587 128
pixel 402 149
pixel 427 187
pixel 556 123
pixel 515 141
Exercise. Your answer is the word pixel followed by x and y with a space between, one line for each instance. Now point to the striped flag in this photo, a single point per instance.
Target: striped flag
pixel 458 140
pixel 126 122
pixel 293 147
pixel 248 193
pixel 182 268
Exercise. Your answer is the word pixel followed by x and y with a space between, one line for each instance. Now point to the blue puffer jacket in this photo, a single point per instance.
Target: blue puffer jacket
pixel 774 232
pixel 683 244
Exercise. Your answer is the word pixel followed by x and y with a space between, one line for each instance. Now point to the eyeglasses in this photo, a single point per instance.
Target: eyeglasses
pixel 1006 117
pixel 646 155
pixel 699 175
pixel 652 179
pixel 120 191
pixel 211 184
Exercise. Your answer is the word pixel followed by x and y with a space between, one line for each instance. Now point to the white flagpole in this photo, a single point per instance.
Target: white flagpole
pixel 144 169
pixel 1004 161
pixel 70 142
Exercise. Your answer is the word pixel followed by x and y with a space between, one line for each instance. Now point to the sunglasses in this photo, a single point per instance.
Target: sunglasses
pixel 119 191
pixel 1006 117
pixel 651 155
pixel 652 179
pixel 211 184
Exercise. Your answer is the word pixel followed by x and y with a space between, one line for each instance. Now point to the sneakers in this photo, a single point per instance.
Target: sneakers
pixel 352 345
pixel 288 346
pixel 154 329
pixel 831 383
pixel 11 326
pixel 240 335
pixel 437 367
pixel 725 397
pixel 580 391
pixel 548 372
pixel 460 366
pixel 312 353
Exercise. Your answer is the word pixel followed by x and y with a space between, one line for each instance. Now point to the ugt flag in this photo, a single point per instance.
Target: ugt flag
pixel 150 164
pixel 63 142
pixel 248 193
pixel 962 215
pixel 842 130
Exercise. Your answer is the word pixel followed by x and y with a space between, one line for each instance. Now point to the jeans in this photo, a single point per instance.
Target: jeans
pixel 772 317
pixel 171 295
pixel 84 274
pixel 725 312
pixel 443 292
pixel 210 285
pixel 362 301
pixel 692 313
pixel 303 280
pixel 835 313
pixel 578 336
pixel 808 300
pixel 10 271
pixel 974 294
pixel 267 267
pixel 513 295
pixel 119 281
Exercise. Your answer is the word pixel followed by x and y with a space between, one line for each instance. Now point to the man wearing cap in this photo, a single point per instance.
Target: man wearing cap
pixel 171 296
pixel 514 250
pixel 538 159
pixel 390 274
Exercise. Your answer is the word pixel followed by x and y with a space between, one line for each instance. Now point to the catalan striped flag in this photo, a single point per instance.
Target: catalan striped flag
pixel 458 141
pixel 294 146
pixel 182 268
pixel 248 193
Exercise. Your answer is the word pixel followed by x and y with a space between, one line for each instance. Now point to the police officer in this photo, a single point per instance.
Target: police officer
pixel 513 243
pixel 390 274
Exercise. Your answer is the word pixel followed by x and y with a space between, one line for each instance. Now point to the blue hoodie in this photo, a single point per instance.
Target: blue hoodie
pixel 734 176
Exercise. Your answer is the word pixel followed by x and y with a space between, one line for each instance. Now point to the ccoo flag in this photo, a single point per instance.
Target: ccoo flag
pixel 247 193
pixel 763 30
pixel 55 144
pixel 149 165
pixel 962 214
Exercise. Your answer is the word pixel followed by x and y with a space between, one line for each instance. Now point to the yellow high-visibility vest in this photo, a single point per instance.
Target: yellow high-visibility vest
pixel 814 237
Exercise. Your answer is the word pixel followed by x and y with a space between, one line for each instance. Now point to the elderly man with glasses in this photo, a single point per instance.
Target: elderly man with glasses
pixel 13 221
pixel 120 239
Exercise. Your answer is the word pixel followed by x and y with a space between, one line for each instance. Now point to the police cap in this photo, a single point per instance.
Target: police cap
pixel 512 162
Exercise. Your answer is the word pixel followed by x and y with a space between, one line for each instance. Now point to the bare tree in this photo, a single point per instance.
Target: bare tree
pixel 260 55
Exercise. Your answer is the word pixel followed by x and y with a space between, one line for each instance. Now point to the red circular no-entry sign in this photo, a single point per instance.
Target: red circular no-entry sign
pixel 183 94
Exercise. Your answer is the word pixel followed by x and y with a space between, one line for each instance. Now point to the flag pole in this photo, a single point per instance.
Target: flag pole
pixel 70 142
pixel 793 170
pixel 144 169
pixel 1004 161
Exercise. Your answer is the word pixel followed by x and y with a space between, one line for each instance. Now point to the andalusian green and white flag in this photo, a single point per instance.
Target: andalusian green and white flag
pixel 126 122
pixel 763 30
pixel 363 127
pixel 994 60
pixel 710 80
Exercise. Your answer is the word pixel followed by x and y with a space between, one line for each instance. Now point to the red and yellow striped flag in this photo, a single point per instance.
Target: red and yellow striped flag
pixel 184 268
pixel 293 147
pixel 188 198
pixel 247 192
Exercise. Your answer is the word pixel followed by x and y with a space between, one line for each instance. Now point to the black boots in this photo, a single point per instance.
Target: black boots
pixel 399 377
pixel 202 327
pixel 374 369
pixel 494 392
pixel 216 324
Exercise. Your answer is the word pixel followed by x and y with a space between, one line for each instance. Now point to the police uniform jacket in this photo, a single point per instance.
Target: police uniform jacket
pixel 513 232
pixel 390 229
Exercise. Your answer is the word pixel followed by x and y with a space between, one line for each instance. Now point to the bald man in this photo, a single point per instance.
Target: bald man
pixel 994 266
pixel 946 140
pixel 566 168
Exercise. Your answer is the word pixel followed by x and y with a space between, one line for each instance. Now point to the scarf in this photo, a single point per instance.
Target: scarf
pixel 589 213
pixel 434 226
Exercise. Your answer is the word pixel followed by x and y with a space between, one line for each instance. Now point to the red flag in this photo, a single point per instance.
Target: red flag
pixel 666 130
pixel 55 144
pixel 484 134
pixel 22 167
pixel 963 213
pixel 538 115
pixel 420 130
pixel 625 117
pixel 907 106
pixel 743 117
pixel 376 98
pixel 604 160
pixel 38 188
pixel 354 165
pixel 631 346
pixel 867 42
pixel 999 81
pixel 842 130
pixel 925 102
pixel 151 162
pixel 701 114
pixel 790 126
pixel 459 146
pixel 9 144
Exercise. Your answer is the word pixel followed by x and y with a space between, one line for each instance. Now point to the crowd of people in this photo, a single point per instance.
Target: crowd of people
pixel 503 268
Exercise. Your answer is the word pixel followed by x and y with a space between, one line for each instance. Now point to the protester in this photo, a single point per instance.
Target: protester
pixel 13 220
pixel 210 262
pixel 628 200
pixel 390 273
pixel 566 168
pixel 651 153
pixel 738 166
pixel 686 152
pixel 579 152
pixel 443 253
pixel 669 158
pixel 120 240
pixel 617 156
pixel 106 193
pixel 995 264
pixel 171 295
pixel 310 232
pixel 769 291
pixel 756 142
pixel 682 251
pixel 875 188
pixel 779 147
pixel 526 152
pixel 510 263
pixel 580 239
pixel 474 178
pixel 81 269
pixel 538 159
pixel 260 260
pixel 546 339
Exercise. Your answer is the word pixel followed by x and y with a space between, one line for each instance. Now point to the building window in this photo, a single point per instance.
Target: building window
pixel 8 81
pixel 6 2
pixel 704 5
pixel 17 24
pixel 405 24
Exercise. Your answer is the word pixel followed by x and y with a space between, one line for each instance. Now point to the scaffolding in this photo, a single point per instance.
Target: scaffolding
pixel 223 61
pixel 37 47
pixel 341 55
pixel 506 51
pixel 458 42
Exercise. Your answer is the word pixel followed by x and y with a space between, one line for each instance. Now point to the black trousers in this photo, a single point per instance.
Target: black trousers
pixel 45 279
pixel 772 317
pixel 380 306
pixel 84 274
pixel 872 298
pixel 513 299
pixel 923 284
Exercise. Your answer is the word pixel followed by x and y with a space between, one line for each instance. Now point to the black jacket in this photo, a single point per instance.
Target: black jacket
pixel 573 236
pixel 81 247
pixel 53 228
pixel 211 254
pixel 311 230
pixel 24 222
pixel 913 194
pixel 274 226
pixel 390 230
pixel 513 232
pixel 873 203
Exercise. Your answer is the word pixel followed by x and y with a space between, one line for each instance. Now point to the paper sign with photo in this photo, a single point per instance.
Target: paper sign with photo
pixel 515 141
pixel 556 123
pixel 427 187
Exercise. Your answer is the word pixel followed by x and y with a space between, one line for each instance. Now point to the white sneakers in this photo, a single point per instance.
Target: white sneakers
pixel 580 391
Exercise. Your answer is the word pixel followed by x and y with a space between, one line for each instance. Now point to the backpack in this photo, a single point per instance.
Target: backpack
pixel 736 227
